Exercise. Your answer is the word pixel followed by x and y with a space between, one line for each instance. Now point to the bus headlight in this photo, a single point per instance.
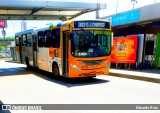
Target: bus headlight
pixel 75 67
pixel 107 65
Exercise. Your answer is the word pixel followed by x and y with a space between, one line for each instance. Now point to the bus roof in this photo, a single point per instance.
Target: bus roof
pixel 24 32
pixel 70 21
pixel 58 24
pixel 55 25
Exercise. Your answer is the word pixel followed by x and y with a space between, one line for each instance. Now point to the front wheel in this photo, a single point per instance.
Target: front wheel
pixel 55 71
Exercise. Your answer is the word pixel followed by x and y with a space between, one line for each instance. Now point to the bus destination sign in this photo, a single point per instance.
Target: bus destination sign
pixel 91 24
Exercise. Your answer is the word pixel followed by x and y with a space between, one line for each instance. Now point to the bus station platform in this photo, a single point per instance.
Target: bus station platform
pixel 150 75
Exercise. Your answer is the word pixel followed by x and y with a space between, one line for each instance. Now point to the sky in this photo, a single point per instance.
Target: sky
pixel 113 7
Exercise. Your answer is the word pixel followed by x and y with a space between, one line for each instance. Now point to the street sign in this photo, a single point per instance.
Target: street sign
pixel 125 18
pixel 2 23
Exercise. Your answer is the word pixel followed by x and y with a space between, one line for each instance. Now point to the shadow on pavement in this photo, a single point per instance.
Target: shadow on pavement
pixel 69 82
pixel 14 71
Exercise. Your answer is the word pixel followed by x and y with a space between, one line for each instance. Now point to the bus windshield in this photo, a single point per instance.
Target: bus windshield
pixel 91 43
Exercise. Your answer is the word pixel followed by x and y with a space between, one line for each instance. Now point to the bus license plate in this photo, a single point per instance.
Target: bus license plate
pixel 92 73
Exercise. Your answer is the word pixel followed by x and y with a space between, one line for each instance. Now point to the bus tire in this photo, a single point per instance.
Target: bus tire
pixel 55 71
pixel 27 63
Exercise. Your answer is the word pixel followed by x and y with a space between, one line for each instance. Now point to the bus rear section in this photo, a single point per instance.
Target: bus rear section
pixel 23 42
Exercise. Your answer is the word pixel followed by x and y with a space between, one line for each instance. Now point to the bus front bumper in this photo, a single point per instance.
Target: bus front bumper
pixel 75 73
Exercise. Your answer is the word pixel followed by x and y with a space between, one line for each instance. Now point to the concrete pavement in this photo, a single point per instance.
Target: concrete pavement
pixel 150 75
pixel 20 86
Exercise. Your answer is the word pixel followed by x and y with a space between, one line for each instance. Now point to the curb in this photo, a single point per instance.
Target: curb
pixel 12 61
pixel 148 79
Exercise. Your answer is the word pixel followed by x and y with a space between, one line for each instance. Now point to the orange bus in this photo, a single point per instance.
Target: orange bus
pixel 79 48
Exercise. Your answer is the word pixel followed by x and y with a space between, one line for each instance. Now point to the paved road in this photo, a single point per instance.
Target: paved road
pixel 20 86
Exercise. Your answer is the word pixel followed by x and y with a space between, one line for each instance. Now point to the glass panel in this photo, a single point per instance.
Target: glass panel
pixel 55 38
pixel 40 39
pixel 24 40
pixel 17 41
pixel 29 36
pixel 47 38
pixel 91 43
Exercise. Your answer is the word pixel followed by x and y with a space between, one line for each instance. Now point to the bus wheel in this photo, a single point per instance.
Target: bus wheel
pixel 55 71
pixel 27 63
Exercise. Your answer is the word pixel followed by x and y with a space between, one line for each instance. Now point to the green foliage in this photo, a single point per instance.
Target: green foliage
pixel 7 39
pixel 2 47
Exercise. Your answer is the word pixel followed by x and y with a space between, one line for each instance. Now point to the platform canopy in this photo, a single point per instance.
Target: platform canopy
pixel 45 9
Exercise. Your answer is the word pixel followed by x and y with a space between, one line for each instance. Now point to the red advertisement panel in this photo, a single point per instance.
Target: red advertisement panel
pixel 124 49
pixel 2 23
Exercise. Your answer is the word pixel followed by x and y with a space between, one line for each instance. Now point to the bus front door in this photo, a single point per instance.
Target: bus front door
pixel 20 49
pixel 65 52
pixel 34 50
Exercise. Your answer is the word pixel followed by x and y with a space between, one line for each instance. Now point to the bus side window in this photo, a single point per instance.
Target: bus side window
pixel 29 40
pixel 55 38
pixel 40 39
pixel 17 41
pixel 24 42
pixel 47 38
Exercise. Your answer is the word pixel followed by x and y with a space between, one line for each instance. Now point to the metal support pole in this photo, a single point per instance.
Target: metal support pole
pixel 134 1
pixel 4 42
pixel 117 7
pixel 97 11
pixel 155 1
pixel 13 50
